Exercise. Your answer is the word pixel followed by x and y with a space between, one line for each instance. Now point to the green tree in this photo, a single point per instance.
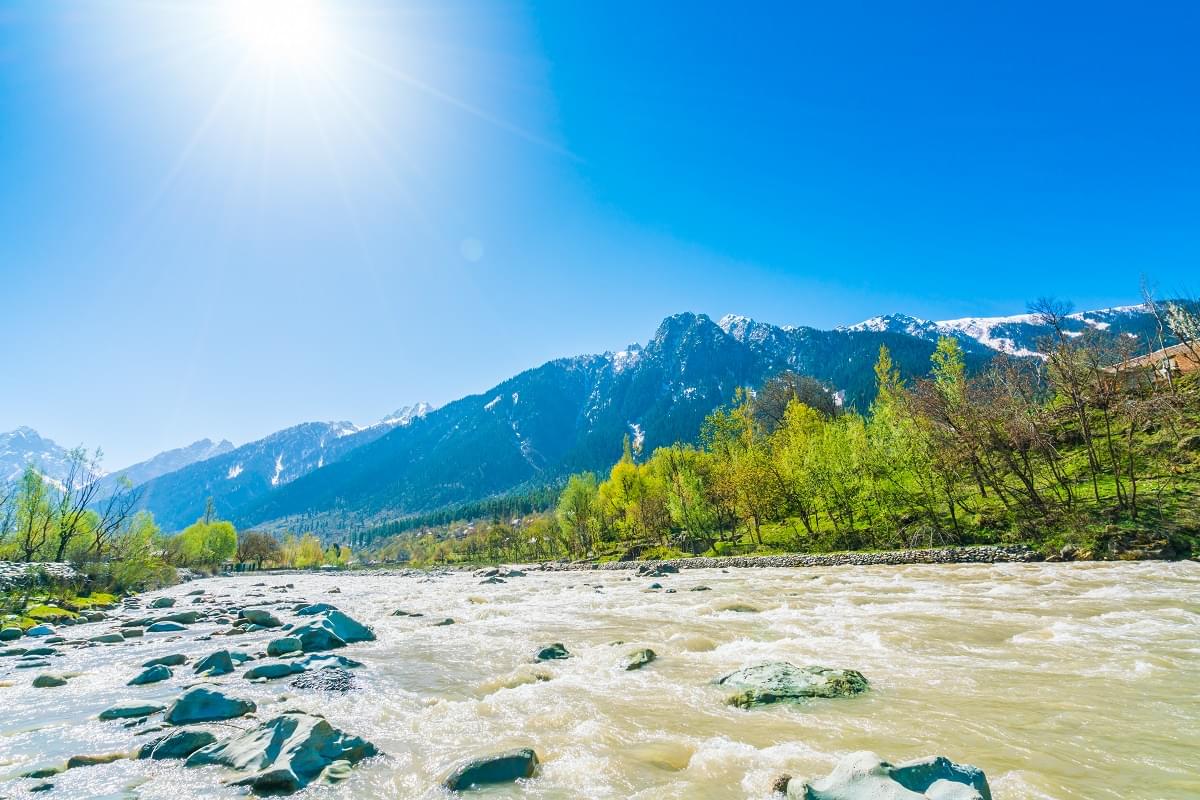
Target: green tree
pixel 578 512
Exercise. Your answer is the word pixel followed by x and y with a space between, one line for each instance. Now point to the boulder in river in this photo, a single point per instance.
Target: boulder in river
pixel 163 602
pixel 349 630
pixel 260 617
pixel 130 712
pixel 173 660
pixel 182 617
pixel 270 672
pixel 75 762
pixel 314 609
pixel 218 663
pixel 179 744
pixel 553 652
pixel 10 634
pixel 499 768
pixel 280 647
pixel 48 681
pixel 332 631
pixel 165 627
pixel 40 630
pixel 286 753
pixel 863 776
pixel 639 658
pixel 204 704
pixel 318 635
pixel 107 638
pixel 153 674
pixel 781 682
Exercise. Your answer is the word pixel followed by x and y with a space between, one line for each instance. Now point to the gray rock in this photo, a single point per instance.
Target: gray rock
pixel 499 768
pixel 130 712
pixel 270 672
pixel 107 638
pixel 349 630
pixel 163 602
pixel 203 704
pixel 257 616
pixel 48 681
pixel 318 635
pixel 151 675
pixel 181 617
pixel 781 682
pixel 639 658
pixel 10 634
pixel 218 663
pixel 40 630
pixel 314 609
pixel 180 744
pixel 173 660
pixel 864 776
pixel 286 753
pixel 298 666
pixel 280 647
pixel 165 627
pixel 75 762
pixel 552 652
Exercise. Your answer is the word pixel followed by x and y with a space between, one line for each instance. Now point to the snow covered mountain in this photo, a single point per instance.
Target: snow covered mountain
pixel 24 446
pixel 573 413
pixel 566 415
pixel 1017 334
pixel 163 463
pixel 242 475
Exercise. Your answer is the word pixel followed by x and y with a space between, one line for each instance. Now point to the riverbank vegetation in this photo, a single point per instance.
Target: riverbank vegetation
pixel 1069 451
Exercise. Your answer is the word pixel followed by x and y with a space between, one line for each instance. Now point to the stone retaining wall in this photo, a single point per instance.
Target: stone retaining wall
pixel 986 554
pixel 18 573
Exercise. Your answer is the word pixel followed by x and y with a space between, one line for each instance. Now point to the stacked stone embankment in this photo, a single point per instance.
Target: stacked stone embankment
pixel 17 573
pixel 983 554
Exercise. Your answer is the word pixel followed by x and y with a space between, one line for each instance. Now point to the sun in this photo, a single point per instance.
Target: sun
pixel 281 33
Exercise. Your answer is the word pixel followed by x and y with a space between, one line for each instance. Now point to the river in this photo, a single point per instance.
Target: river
pixel 1058 680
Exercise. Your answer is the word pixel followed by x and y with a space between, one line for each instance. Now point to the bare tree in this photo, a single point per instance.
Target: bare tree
pixel 114 512
pixel 79 488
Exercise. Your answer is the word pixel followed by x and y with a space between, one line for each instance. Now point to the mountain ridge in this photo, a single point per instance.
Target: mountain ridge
pixel 566 415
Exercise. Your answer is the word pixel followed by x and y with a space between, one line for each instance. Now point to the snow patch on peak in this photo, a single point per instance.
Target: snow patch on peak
pixel 893 323
pixel 278 469
pixel 983 330
pixel 489 405
pixel 234 471
pixel 731 322
pixel 406 414
pixel 627 358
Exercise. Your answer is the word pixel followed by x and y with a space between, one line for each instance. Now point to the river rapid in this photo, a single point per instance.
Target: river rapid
pixel 1058 680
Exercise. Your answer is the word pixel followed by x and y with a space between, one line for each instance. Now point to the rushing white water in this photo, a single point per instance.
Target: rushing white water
pixel 1059 680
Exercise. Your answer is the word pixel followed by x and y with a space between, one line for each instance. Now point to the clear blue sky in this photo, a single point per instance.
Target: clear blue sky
pixel 219 226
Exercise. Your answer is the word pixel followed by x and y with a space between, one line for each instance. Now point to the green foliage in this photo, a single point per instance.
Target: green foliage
pixel 1068 454
pixel 207 543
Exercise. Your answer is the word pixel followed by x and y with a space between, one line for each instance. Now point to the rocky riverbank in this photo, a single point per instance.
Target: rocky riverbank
pixel 986 554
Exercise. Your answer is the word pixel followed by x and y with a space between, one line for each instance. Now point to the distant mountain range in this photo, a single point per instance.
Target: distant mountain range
pixel 535 428
pixel 25 446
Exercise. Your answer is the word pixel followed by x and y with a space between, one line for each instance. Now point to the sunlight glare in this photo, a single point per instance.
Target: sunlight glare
pixel 282 33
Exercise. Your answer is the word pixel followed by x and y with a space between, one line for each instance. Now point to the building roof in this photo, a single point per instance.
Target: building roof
pixel 1189 349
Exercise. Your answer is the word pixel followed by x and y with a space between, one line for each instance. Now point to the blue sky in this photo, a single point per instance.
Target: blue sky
pixel 201 238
